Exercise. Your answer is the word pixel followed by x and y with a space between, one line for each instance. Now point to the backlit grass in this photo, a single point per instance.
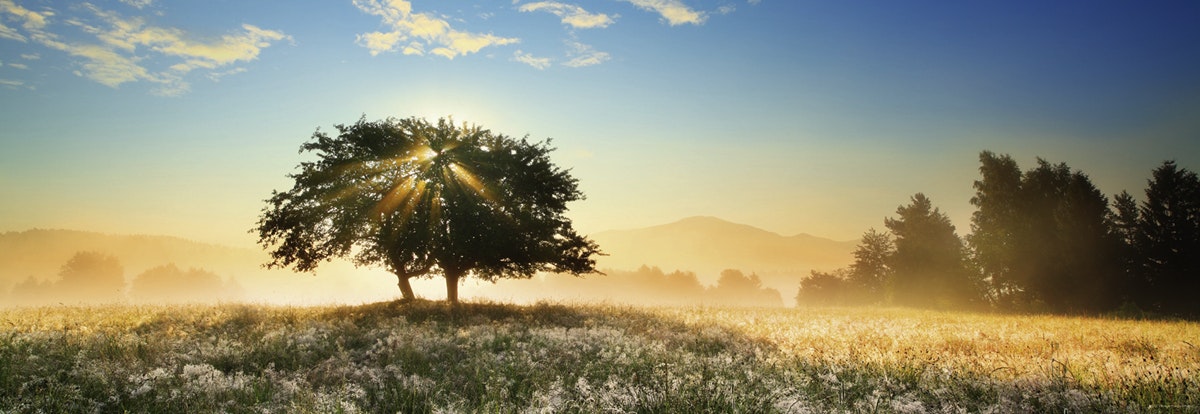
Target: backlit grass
pixel 482 357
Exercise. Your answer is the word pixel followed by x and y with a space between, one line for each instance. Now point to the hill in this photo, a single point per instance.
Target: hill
pixel 708 245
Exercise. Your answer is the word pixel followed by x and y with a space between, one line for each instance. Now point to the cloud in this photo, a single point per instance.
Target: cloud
pixel 583 55
pixel 754 1
pixel 19 65
pixel 11 34
pixel 126 49
pixel 529 59
pixel 570 14
pixel 12 84
pixel 673 11
pixel 413 33
pixel 139 4
pixel 30 56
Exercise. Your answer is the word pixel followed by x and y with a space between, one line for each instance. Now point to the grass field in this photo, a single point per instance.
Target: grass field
pixel 482 357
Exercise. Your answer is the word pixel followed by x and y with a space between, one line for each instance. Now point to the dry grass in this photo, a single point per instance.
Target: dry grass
pixel 480 357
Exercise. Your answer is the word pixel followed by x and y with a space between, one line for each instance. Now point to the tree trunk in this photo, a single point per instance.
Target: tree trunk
pixel 405 288
pixel 452 286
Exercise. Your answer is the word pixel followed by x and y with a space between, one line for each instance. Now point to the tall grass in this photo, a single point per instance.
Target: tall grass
pixel 483 357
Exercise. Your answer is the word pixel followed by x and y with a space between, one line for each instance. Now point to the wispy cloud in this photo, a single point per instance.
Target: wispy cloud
pixel 12 84
pixel 570 14
pixel 583 55
pixel 140 4
pixel 420 33
pixel 529 59
pixel 674 12
pixel 130 50
pixel 18 65
pixel 11 34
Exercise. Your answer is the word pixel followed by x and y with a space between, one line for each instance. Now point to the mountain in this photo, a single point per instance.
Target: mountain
pixel 708 245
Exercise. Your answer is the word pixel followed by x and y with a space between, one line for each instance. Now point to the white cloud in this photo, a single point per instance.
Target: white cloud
pixel 32 20
pixel 19 66
pixel 413 33
pixel 754 1
pixel 570 14
pixel 11 34
pixel 529 59
pixel 726 9
pixel 30 56
pixel 673 11
pixel 126 48
pixel 140 4
pixel 12 84
pixel 583 55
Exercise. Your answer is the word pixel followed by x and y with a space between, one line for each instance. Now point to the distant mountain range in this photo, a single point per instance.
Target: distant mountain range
pixel 703 245
pixel 708 245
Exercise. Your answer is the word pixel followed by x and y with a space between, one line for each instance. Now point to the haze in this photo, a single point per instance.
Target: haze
pixel 157 118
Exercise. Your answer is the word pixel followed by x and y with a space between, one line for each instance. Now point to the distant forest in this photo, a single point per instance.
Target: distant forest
pixel 1042 240
pixel 95 278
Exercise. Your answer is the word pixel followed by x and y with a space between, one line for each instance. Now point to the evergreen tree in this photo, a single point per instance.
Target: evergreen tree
pixel 929 264
pixel 1168 238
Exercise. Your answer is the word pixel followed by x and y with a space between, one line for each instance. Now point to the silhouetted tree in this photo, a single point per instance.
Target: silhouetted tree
pixel 1124 222
pixel 424 199
pixel 1168 239
pixel 995 226
pixel 1044 238
pixel 929 265
pixel 91 277
pixel 169 283
pixel 825 288
pixel 735 288
pixel 870 274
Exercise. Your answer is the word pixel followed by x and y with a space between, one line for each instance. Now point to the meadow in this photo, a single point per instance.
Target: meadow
pixel 423 357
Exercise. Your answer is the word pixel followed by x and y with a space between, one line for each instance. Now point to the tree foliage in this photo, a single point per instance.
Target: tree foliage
pixel 929 264
pixel 91 277
pixel 423 199
pixel 1043 238
pixel 1167 240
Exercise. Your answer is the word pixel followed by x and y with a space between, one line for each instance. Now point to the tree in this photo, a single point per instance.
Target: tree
pixel 996 223
pixel 169 283
pixel 91 277
pixel 870 274
pixel 1043 238
pixel 736 289
pixel 1168 238
pixel 929 264
pixel 1065 255
pixel 422 199
pixel 1124 221
pixel 825 288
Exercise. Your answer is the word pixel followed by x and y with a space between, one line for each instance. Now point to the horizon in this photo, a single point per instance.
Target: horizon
pixel 145 117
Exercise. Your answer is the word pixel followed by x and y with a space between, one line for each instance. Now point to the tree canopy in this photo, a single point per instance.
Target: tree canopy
pixel 425 199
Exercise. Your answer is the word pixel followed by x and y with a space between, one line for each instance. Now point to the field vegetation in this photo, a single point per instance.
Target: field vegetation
pixel 484 357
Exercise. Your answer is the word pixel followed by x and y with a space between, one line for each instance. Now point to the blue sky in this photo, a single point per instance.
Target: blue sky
pixel 145 116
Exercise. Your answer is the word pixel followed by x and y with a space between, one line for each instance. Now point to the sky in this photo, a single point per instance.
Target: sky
pixel 180 118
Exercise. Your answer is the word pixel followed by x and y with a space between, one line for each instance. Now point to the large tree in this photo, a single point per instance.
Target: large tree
pixel 1044 238
pixel 1168 239
pixel 929 264
pixel 424 199
pixel 996 224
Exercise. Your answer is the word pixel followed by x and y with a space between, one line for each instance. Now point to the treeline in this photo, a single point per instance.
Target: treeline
pixel 95 278
pixel 645 286
pixel 1044 240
